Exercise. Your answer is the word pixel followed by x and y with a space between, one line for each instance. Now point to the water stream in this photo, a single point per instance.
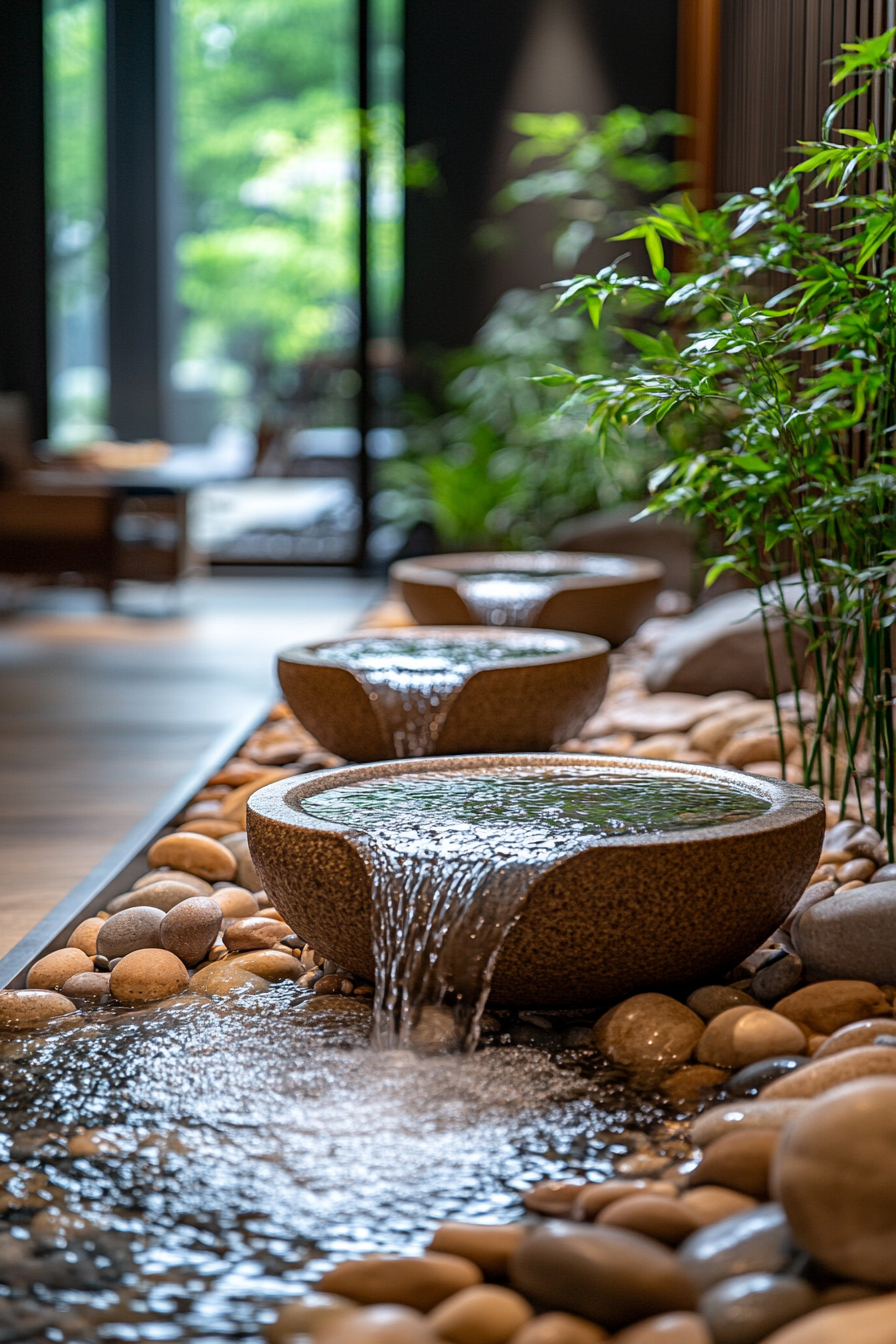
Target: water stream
pixel 515 596
pixel 413 680
pixel 452 856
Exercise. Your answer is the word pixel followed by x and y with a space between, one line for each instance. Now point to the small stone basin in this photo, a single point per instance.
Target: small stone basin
pixel 627 912
pixel 431 690
pixel 604 595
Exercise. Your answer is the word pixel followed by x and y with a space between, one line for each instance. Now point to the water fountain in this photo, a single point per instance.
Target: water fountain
pixel 449 878
pixel 440 691
pixel 604 595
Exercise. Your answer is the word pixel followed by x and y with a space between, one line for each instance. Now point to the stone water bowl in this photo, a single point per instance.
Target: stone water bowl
pixel 630 913
pixel 605 595
pixel 524 705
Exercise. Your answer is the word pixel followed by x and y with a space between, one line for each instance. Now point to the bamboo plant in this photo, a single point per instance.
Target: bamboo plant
pixel 768 366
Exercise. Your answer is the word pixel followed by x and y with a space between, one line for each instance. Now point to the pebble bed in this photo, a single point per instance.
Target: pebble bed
pixel 199 1143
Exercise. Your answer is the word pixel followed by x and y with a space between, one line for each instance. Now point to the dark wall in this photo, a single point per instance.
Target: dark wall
pixel 23 320
pixel 459 59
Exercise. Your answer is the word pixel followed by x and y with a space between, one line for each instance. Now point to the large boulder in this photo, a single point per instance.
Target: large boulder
pixel 721 647
pixel 612 532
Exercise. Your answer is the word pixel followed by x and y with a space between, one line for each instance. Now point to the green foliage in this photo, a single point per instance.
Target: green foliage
pixel 506 460
pixel 770 371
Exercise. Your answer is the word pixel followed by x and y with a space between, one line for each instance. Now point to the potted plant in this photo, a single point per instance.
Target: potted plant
pixel 768 367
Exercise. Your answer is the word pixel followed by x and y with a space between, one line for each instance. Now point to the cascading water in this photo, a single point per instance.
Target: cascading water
pixel 514 596
pixel 452 856
pixel 413 680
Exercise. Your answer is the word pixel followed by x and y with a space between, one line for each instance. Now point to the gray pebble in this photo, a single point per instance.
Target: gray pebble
pixel 885 874
pixel 757 1241
pixel 850 937
pixel 747 1308
pixel 777 978
pixel 755 1076
pixel 129 931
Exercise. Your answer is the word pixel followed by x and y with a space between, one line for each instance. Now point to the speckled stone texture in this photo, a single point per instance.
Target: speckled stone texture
pixel 630 913
pixel 611 606
pixel 514 706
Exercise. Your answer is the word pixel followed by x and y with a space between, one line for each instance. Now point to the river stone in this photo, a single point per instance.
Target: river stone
pixel 246 876
pixel 831 1004
pixel 835 1174
pixel 662 1219
pixel 850 937
pixel 270 963
pixel 190 929
pixel 87 985
pixel 818 891
pixel 758 1241
pixel 673 1327
pixel 864 1032
pixel 749 1080
pixel 692 1082
pixel 222 978
pixel 162 895
pixel 147 975
pixel 648 1031
pixel 488 1247
pixel 821 1075
pixel 377 1325
pixel 778 978
pixel 713 1203
pixel 199 884
pixel 484 1314
pixel 602 1273
pixel 746 1114
pixel 711 1000
pixel 128 931
pixel 84 936
pixel 194 853
pixel 596 1197
pixel 22 1009
pixel 741 1161
pixel 741 1036
pixel 558 1327
pixel 745 1309
pixel 421 1281
pixel 247 935
pixel 235 902
pixel 869 1322
pixel 52 971
pixel 307 1316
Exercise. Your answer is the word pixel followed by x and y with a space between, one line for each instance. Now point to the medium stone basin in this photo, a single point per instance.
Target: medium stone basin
pixel 514 703
pixel 604 595
pixel 627 913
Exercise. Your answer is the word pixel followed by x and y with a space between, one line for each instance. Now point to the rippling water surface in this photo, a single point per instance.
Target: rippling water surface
pixel 244 1145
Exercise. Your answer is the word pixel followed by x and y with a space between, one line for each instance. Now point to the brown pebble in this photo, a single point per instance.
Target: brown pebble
pixel 835 1174
pixel 377 1325
pixel 409 1281
pixel 306 1316
pixel 739 1161
pixel 223 978
pixel 648 1031
pixel 822 1074
pixel 194 853
pixel 711 1000
pixel 488 1247
pixel 235 902
pixel 594 1198
pixel 200 886
pixel 246 935
pixel 558 1327
pixel 190 929
pixel 853 1323
pixel 674 1327
pixel 741 1036
pixel 84 936
pixel 128 931
pixel 162 895
pixel 52 971
pixel 214 827
pixel 712 1203
pixel 333 984
pixel 147 975
pixel 483 1314
pixel 856 870
pixel 23 1009
pixel 87 985
pixel 270 963
pixel 665 1220
pixel 831 1004
pixel 553 1199
pixel 742 1115
pixel 692 1081
pixel 854 1034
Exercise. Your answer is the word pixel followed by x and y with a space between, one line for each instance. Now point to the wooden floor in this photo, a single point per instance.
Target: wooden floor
pixel 100 713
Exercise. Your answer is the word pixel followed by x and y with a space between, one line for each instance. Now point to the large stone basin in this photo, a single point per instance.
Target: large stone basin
pixel 627 914
pixel 604 595
pixel 514 705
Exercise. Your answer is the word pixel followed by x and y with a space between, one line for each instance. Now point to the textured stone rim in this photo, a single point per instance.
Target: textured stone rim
pixel 789 803
pixel 446 571
pixel 587 646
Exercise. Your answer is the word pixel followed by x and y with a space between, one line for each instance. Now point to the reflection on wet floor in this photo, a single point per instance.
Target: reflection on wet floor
pixel 245 1145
